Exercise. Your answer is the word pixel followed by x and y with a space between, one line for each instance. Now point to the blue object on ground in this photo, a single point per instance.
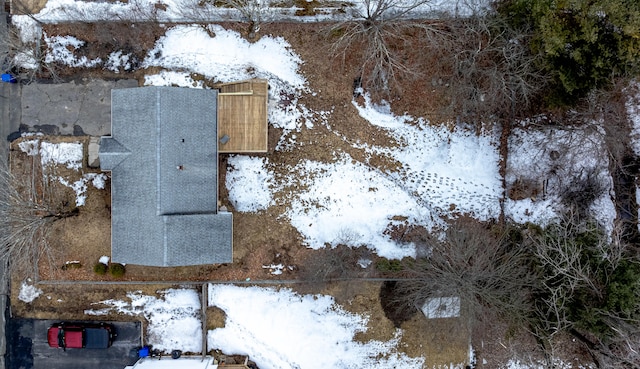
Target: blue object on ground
pixel 6 77
pixel 143 352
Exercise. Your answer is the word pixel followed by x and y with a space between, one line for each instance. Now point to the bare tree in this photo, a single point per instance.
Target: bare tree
pixel 332 263
pixel 623 349
pixel 28 208
pixel 479 263
pixel 487 67
pixel 589 288
pixel 378 26
pixel 254 12
pixel 564 271
pixel 607 111
pixel 582 189
pixel 24 54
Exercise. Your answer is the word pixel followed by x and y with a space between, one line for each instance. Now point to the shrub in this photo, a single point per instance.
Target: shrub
pixel 386 265
pixel 117 270
pixel 100 268
pixel 584 43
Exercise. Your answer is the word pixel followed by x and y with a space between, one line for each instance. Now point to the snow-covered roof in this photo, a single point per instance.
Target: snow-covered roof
pixel 442 307
pixel 163 156
pixel 181 363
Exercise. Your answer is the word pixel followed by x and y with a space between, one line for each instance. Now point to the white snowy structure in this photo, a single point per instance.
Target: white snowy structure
pixel 182 363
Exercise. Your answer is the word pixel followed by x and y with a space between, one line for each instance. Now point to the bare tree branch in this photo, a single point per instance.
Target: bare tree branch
pixel 27 212
pixel 377 26
pixel 479 264
pixel 488 68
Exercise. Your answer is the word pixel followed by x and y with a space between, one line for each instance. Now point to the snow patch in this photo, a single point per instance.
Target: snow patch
pixel 172 78
pixel 543 164
pixel 80 186
pixel 284 330
pixel 174 317
pixel 28 292
pixel 349 203
pixel 66 153
pixel 60 51
pixel 117 60
pixel 222 54
pixel 249 182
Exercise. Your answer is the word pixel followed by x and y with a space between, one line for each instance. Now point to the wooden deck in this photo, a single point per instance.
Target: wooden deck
pixel 242 116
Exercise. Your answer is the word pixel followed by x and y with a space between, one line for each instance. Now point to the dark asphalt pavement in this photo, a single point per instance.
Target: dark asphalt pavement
pixel 28 348
pixel 9 106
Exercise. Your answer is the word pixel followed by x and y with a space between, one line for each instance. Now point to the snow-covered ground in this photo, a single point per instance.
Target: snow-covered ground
pixel 174 317
pixel 68 154
pixel 442 173
pixel 65 153
pixel 185 11
pixel 545 163
pixel 276 328
pixel 282 329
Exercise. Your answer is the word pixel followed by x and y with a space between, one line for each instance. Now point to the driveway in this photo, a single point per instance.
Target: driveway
pixel 29 348
pixel 72 108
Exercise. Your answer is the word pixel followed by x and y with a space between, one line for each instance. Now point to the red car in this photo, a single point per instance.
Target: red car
pixel 81 335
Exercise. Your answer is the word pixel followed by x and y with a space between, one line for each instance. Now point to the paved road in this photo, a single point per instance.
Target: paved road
pixel 30 350
pixel 10 110
pixel 8 122
pixel 9 93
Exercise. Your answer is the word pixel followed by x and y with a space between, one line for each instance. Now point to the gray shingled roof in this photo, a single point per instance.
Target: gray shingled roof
pixel 163 158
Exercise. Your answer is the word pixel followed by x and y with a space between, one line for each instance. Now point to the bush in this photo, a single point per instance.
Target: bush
pixel 330 263
pixel 597 281
pixel 100 268
pixel 117 270
pixel 620 290
pixel 386 265
pixel 584 43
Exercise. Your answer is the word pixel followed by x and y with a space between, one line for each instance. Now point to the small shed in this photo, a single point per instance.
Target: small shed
pixel 242 116
pixel 442 307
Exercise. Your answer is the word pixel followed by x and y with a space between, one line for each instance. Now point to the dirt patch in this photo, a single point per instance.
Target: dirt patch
pixel 216 318
pixel 496 343
pixel 70 301
pixel 27 6
pixel 438 340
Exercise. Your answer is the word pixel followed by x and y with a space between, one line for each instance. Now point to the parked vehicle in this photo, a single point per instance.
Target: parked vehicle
pixel 81 335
